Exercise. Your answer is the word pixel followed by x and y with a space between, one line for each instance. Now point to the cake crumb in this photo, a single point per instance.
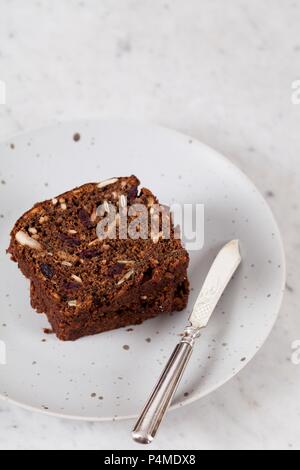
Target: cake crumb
pixel 48 331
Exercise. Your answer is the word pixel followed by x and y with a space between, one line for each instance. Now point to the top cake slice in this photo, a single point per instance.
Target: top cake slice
pixel 89 273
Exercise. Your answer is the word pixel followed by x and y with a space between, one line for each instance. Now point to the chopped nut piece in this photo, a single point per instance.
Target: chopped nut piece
pixel 32 230
pixel 72 303
pixel 123 201
pixel 126 277
pixel 72 232
pixel 151 201
pixel 54 201
pixel 126 262
pixel 43 219
pixel 156 237
pixel 103 184
pixel 94 242
pixel 106 207
pixel 76 278
pixel 94 216
pixel 25 240
pixel 66 263
pixel 63 206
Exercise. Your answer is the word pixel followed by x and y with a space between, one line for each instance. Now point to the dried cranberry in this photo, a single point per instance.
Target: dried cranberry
pixel 85 218
pixel 132 194
pixel 147 276
pixel 47 270
pixel 69 285
pixel 115 269
pixel 96 300
pixel 90 253
pixel 72 241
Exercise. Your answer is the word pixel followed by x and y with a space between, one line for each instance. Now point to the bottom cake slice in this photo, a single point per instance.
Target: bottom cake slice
pixel 170 300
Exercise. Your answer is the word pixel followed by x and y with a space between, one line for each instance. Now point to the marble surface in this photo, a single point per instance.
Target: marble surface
pixel 222 73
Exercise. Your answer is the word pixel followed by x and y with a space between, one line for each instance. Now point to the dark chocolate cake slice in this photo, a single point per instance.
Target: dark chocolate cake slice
pixel 87 283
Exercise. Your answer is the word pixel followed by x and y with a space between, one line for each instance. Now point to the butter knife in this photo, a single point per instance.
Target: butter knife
pixel 221 272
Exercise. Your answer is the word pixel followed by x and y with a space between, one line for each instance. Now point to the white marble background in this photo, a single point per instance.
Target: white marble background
pixel 222 71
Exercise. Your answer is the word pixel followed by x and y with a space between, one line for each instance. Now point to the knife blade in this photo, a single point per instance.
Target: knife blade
pixel 220 273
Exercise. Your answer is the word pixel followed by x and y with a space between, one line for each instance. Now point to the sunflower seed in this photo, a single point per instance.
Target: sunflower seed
pixel 125 262
pixel 76 278
pixel 123 201
pixel 66 263
pixel 25 240
pixel 105 183
pixel 126 277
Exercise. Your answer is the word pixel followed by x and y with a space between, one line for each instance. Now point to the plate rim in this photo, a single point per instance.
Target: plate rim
pixel 218 156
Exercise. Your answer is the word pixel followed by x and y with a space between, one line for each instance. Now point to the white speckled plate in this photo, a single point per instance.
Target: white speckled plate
pixel 96 378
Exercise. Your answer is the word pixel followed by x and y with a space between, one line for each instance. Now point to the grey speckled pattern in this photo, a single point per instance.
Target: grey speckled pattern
pixel 221 73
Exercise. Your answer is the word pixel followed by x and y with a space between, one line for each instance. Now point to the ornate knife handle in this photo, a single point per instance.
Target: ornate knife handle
pixel 161 397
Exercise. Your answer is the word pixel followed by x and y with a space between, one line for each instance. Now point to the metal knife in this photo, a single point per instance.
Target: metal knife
pixel 221 272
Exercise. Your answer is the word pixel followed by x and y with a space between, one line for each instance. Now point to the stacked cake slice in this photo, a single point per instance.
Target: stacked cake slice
pixel 95 263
